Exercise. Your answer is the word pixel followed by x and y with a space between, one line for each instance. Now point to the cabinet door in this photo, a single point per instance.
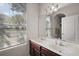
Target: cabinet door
pixel 34 49
pixel 31 49
pixel 36 52
pixel 68 32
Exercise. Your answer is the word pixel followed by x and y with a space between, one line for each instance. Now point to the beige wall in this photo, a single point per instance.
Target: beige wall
pixel 42 17
pixel 22 50
pixel 32 20
pixel 71 9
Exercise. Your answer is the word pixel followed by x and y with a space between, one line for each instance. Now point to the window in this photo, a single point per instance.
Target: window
pixel 48 27
pixel 12 24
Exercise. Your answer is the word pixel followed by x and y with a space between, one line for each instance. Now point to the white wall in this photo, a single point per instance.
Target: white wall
pixel 22 50
pixel 42 19
pixel 71 9
pixel 32 20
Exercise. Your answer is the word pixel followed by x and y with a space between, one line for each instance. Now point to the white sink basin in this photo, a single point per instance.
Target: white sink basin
pixel 51 44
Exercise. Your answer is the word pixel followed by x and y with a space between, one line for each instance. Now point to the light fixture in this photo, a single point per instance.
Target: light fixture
pixel 54 7
pixel 51 9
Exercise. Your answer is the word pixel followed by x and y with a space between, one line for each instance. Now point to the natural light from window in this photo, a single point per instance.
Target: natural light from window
pixel 12 24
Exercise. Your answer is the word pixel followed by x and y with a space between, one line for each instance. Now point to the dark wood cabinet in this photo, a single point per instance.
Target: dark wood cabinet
pixel 37 50
pixel 47 52
pixel 34 49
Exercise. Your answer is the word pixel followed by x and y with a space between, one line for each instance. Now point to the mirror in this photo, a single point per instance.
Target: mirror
pixel 53 26
pixel 58 26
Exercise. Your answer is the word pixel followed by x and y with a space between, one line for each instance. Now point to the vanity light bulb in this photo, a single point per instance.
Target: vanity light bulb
pixel 55 9
pixel 52 7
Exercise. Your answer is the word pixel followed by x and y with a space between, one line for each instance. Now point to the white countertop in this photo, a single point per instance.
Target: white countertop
pixel 59 47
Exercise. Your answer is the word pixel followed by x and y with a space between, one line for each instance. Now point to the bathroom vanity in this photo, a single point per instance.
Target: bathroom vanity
pixel 53 47
pixel 38 50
